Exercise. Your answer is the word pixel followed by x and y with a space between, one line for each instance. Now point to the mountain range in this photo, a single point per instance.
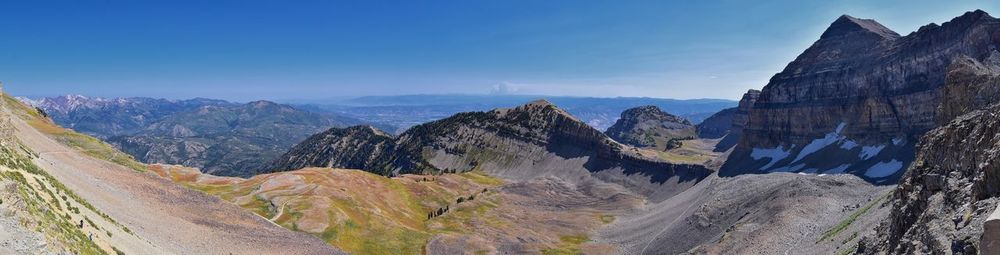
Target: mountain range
pixel 869 142
pixel 410 110
pixel 219 137
pixel 858 99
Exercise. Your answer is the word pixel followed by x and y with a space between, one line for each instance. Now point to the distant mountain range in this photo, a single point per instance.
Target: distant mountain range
pixel 410 110
pixel 219 137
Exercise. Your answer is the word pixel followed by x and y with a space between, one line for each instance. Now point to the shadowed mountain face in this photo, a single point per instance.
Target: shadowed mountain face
pixel 648 126
pixel 728 124
pixel 522 143
pixel 857 99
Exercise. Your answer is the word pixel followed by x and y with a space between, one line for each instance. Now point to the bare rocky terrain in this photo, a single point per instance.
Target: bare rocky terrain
pixel 15 236
pixel 754 214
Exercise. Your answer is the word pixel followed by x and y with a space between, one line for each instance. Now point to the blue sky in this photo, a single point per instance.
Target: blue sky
pixel 282 50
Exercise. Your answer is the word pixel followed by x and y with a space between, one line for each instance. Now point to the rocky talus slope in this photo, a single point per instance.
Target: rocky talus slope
pixel 945 196
pixel 649 127
pixel 533 140
pixel 779 213
pixel 858 98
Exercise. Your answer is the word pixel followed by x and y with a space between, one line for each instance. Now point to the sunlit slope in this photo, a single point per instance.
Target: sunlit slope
pixel 364 213
pixel 44 205
pixel 127 208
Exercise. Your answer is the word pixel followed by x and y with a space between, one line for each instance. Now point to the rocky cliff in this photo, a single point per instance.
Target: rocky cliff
pixel 533 140
pixel 856 99
pixel 944 197
pixel 738 121
pixel 357 147
pixel 649 127
pixel 970 84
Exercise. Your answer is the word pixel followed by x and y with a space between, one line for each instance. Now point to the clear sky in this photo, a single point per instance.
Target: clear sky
pixel 280 50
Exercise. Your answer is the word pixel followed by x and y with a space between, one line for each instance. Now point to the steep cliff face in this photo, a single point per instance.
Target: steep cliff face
pixel 969 85
pixel 649 127
pixel 856 99
pixel 739 121
pixel 944 197
pixel 522 143
pixel 717 125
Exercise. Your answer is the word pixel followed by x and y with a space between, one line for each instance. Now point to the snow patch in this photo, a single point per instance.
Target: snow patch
pixel 868 152
pixel 775 154
pixel 883 169
pixel 898 141
pixel 829 139
pixel 848 145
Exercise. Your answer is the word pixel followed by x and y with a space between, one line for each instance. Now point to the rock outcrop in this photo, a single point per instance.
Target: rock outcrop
pixel 357 147
pixel 533 140
pixel 946 195
pixel 649 127
pixel 970 84
pixel 855 99
pixel 738 121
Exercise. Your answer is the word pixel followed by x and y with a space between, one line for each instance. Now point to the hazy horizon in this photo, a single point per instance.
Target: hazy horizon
pixel 345 100
pixel 244 51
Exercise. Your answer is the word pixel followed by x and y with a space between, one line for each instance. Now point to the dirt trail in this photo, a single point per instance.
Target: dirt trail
pixel 170 219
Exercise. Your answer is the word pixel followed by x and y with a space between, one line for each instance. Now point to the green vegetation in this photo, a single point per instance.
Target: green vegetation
pixel 850 219
pixel 367 213
pixel 568 245
pixel 850 238
pixel 48 221
pixel 849 250
pixel 606 219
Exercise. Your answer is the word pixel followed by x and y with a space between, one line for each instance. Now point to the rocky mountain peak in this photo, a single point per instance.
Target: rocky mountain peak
pixel 260 104
pixel 971 17
pixel 648 126
pixel 748 99
pixel 537 108
pixel 652 112
pixel 846 25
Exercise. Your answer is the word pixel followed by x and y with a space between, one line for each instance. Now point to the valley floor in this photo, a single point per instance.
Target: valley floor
pixel 364 213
